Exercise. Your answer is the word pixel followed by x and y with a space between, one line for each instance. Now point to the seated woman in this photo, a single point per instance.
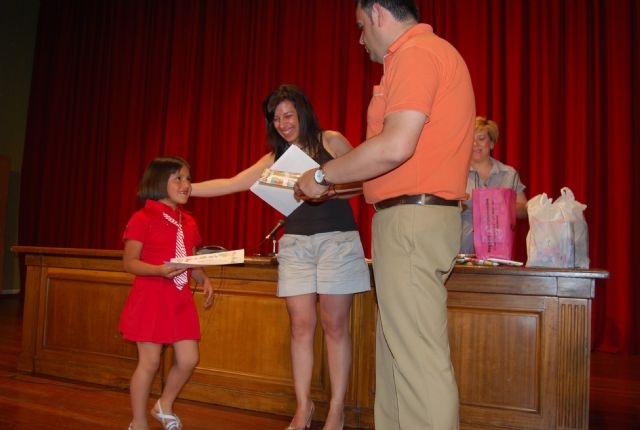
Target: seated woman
pixel 487 172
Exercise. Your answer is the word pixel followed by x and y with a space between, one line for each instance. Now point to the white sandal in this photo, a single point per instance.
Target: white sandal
pixel 168 421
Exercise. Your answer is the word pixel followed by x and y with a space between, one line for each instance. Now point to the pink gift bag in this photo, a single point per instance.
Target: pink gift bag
pixel 494 222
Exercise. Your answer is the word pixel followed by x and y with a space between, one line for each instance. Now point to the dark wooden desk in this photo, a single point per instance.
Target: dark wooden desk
pixel 520 338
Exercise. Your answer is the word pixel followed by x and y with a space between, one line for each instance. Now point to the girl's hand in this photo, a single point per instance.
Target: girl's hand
pixel 170 272
pixel 132 263
pixel 208 292
pixel 202 279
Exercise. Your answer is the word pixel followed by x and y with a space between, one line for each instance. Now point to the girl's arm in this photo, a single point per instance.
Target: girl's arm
pixel 241 182
pixel 202 279
pixel 132 263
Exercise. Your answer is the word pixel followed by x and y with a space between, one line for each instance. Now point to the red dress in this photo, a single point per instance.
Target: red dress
pixel 156 311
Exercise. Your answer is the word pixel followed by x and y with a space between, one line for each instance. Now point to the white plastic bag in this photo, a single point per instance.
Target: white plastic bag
pixel 572 210
pixel 550 237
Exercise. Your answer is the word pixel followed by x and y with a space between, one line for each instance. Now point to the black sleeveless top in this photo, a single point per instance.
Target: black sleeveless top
pixel 322 217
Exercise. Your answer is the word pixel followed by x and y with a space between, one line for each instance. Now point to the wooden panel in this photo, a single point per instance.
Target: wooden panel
pixel 249 317
pixel 245 349
pixel 573 364
pixel 247 336
pixel 245 343
pixel 507 377
pixel 362 385
pixel 519 339
pixel 78 335
pixel 504 284
pixel 74 299
pixel 576 287
pixel 30 320
pixel 500 349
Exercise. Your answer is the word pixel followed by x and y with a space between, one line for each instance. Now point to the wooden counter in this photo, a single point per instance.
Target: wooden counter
pixel 520 338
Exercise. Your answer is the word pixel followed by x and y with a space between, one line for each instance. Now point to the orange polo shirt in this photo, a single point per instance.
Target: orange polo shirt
pixel 425 73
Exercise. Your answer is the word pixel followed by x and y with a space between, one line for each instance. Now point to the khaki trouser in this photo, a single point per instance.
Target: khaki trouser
pixel 414 248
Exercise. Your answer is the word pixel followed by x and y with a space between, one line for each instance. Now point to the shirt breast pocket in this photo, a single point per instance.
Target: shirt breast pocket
pixel 375 113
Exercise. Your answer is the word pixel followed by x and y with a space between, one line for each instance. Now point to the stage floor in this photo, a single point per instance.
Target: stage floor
pixel 31 402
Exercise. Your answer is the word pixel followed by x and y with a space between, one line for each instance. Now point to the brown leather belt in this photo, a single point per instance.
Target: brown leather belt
pixel 416 199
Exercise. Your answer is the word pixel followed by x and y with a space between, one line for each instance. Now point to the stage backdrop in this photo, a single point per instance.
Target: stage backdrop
pixel 119 82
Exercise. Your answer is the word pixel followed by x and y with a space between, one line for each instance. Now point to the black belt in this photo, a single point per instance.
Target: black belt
pixel 416 199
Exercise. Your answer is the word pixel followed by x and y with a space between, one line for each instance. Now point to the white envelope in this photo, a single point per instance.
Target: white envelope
pixel 294 160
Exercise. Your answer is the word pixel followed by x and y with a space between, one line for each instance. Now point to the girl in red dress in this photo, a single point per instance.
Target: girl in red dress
pixel 160 308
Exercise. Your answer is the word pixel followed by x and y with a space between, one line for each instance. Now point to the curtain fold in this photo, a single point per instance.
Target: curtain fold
pixel 117 83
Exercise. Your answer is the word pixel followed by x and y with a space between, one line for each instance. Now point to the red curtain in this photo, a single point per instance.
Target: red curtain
pixel 119 82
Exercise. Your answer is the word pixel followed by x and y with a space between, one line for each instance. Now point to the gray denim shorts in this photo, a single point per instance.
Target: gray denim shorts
pixel 324 263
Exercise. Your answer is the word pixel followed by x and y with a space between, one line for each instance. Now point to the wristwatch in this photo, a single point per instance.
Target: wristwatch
pixel 318 176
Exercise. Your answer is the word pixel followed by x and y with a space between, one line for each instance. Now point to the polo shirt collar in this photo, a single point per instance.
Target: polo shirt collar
pixel 412 31
pixel 158 208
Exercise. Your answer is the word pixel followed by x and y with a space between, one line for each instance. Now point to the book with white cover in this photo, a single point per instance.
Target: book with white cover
pixel 214 259
pixel 277 178
pixel 294 161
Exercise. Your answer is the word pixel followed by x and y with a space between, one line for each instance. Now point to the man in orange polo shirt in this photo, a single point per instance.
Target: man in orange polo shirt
pixel 414 163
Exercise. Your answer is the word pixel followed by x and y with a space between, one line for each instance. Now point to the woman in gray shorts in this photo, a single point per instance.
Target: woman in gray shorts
pixel 320 255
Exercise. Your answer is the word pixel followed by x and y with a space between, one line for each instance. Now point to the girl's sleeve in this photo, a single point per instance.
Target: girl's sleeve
pixel 136 228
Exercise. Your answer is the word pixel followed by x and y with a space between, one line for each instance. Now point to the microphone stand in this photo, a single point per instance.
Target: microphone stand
pixel 272 235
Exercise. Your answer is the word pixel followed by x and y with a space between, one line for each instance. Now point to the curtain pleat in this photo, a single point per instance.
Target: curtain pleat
pixel 118 82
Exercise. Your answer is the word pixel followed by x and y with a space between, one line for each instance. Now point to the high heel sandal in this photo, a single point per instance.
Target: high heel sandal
pixel 307 425
pixel 168 421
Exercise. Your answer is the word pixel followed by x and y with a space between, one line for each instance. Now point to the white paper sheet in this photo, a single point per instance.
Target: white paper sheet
pixel 214 259
pixel 294 160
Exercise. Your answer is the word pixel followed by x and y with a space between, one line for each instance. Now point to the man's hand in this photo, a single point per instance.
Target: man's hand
pixel 306 188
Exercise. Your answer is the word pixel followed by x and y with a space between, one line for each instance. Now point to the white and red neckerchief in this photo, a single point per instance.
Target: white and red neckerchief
pixel 182 279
